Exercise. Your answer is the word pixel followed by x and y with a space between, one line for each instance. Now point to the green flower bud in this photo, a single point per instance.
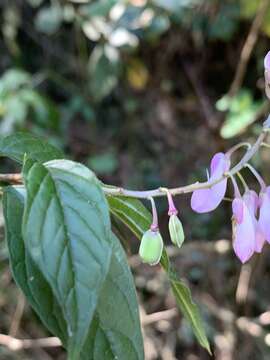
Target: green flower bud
pixel 176 231
pixel 151 247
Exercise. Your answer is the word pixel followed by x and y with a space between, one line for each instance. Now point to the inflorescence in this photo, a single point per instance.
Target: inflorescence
pixel 250 211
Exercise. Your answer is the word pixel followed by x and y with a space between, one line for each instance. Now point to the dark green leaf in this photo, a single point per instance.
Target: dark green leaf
pixel 15 146
pixel 115 331
pixel 138 219
pixel 189 309
pixel 25 272
pixel 66 230
pixel 110 335
pixel 132 212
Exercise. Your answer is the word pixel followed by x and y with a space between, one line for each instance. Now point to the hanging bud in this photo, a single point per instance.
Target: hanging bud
pixel 152 244
pixel 151 247
pixel 175 226
pixel 176 231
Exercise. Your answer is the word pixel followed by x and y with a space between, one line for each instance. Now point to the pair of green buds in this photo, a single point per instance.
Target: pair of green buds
pixel 152 243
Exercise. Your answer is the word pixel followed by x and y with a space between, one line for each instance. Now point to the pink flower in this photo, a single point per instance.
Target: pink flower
pixel 205 200
pixel 251 199
pixel 264 218
pixel 244 235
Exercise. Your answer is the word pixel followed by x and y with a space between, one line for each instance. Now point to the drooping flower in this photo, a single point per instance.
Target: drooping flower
pixel 251 199
pixel 264 217
pixel 205 200
pixel 244 236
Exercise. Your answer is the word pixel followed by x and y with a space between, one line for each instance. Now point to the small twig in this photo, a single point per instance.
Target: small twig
pixel 238 146
pixel 15 344
pixel 11 178
pixel 265 145
pixel 243 284
pixel 16 320
pixel 247 48
pixel 157 316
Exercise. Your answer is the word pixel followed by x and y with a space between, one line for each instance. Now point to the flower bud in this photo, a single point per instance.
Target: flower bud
pixel 176 231
pixel 151 247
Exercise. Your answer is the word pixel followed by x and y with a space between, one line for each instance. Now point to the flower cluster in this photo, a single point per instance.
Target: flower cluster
pixel 251 212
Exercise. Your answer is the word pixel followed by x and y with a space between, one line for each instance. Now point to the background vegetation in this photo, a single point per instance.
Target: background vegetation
pixel 144 92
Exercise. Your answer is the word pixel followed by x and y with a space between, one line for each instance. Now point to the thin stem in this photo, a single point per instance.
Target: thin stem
pixel 154 226
pixel 243 181
pixel 172 209
pixel 257 176
pixel 265 145
pixel 235 187
pixel 11 178
pixel 238 146
pixel 227 199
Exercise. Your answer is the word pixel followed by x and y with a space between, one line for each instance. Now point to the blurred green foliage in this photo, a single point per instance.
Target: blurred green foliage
pixel 70 58
pixel 241 112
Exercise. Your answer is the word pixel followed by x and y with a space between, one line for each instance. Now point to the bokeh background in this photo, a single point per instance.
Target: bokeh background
pixel 144 92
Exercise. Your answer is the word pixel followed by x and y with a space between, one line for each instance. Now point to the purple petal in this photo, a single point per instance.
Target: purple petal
pixel 219 164
pixel 237 208
pixel 244 237
pixel 251 199
pixel 267 61
pixel 216 160
pixel 264 218
pixel 206 200
pixel 259 239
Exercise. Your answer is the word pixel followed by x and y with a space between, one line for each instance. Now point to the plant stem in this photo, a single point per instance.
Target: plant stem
pixel 257 176
pixel 119 191
pixel 11 178
pixel 243 181
pixel 154 225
